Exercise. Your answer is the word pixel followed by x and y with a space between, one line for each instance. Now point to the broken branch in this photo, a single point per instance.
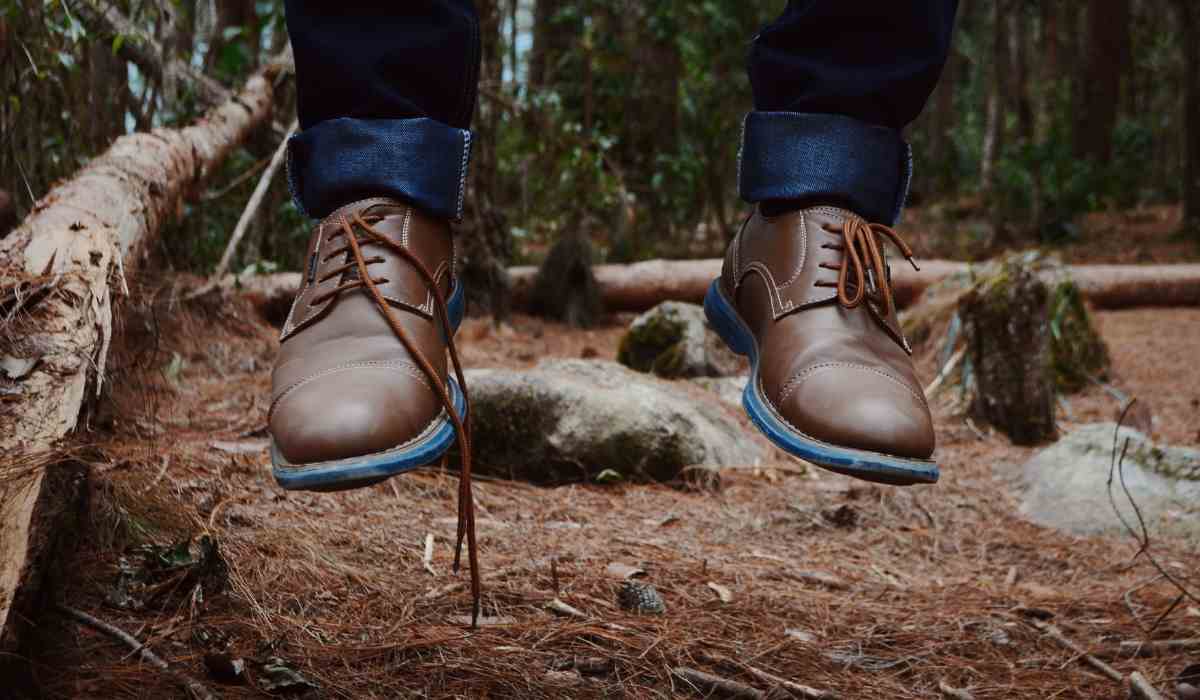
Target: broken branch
pixel 194 687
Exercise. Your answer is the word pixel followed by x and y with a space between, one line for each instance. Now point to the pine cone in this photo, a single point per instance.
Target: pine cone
pixel 640 598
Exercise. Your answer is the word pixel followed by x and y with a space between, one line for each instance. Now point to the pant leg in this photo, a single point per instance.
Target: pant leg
pixel 834 83
pixel 386 91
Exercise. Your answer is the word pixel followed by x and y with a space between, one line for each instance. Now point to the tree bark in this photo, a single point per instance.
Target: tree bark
pixel 76 247
pixel 1189 16
pixel 995 109
pixel 484 233
pixel 1107 48
pixel 549 42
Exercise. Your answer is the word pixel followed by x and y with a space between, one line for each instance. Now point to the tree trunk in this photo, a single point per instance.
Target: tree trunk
pixel 1108 46
pixel 1189 16
pixel 1019 37
pixel 484 234
pixel 941 145
pixel 993 131
pixel 549 42
pixel 81 239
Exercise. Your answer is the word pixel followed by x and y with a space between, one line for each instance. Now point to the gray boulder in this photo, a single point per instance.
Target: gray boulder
pixel 728 389
pixel 673 340
pixel 1067 484
pixel 569 420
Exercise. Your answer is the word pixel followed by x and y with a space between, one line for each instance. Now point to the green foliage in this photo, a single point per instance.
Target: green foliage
pixel 643 151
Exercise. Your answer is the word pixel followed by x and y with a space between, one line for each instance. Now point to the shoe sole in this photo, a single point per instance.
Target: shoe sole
pixel 356 472
pixel 862 464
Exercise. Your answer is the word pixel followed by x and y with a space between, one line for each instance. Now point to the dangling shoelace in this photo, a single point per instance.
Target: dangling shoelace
pixel 864 259
pixel 462 429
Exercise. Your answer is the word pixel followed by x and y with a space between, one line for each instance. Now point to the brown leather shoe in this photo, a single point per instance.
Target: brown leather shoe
pixel 807 295
pixel 360 389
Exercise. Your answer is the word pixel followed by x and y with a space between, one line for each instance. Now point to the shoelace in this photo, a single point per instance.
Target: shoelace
pixel 462 429
pixel 864 259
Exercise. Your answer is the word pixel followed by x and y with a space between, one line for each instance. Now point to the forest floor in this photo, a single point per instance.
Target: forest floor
pixel 866 591
pixel 1141 235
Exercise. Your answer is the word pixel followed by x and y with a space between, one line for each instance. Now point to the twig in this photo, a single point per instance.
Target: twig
pixel 194 687
pixel 248 213
pixel 1140 687
pixel 427 558
pixel 495 573
pixel 562 608
pixel 1129 650
pixel 802 691
pixel 945 372
pixel 259 165
pixel 1056 634
pixel 952 692
pixel 1142 534
pixel 708 684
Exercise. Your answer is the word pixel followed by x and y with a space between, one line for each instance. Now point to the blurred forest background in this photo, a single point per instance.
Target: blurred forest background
pixel 620 120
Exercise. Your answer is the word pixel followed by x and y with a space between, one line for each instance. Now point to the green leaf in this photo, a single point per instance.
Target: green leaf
pixel 117 42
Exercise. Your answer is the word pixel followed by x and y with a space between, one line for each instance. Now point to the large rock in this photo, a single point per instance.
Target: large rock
pixel 728 389
pixel 569 420
pixel 1067 484
pixel 673 340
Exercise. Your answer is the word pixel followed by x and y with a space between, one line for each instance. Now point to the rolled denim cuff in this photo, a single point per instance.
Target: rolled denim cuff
pixel 420 161
pixel 794 155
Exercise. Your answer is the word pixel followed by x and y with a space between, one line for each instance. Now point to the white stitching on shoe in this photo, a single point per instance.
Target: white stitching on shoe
pixel 803 251
pixel 798 378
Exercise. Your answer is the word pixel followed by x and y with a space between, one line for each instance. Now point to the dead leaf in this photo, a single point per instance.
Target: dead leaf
pixel 799 634
pixel 17 367
pixel 722 592
pixel 276 675
pixel 622 571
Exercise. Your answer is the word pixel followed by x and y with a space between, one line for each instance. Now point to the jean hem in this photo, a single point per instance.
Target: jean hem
pixel 421 161
pixel 807 156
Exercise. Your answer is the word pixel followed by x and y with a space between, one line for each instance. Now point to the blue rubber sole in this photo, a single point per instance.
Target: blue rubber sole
pixel 862 464
pixel 356 472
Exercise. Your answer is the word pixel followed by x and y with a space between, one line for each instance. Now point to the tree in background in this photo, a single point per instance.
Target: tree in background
pixel 1189 21
pixel 620 119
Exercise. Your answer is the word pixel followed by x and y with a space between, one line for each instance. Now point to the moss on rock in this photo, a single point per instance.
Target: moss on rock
pixel 673 341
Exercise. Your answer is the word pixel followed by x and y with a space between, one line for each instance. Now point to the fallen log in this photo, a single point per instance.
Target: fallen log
pixel 75 249
pixel 640 286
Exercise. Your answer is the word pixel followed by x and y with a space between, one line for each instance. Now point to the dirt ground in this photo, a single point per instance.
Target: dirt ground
pixel 863 591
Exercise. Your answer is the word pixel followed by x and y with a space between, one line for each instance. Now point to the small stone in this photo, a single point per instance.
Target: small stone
pixel 641 598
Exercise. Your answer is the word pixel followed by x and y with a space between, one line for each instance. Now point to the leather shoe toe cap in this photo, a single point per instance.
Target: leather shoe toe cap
pixel 861 408
pixel 350 413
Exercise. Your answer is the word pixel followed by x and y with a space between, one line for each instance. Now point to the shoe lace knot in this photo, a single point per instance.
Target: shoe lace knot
pixel 863 273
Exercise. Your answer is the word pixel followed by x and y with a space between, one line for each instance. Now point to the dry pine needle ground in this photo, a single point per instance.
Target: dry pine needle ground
pixel 862 591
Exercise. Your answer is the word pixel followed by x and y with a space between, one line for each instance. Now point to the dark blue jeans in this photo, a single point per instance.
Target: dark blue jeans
pixel 387 89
